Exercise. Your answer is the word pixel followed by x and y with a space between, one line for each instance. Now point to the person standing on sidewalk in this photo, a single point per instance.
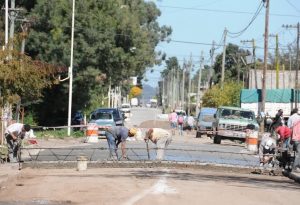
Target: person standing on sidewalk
pixel 180 122
pixel 116 135
pixel 13 133
pixel 173 121
pixel 162 138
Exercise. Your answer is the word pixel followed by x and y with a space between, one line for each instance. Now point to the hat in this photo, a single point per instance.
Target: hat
pixel 133 131
pixel 268 144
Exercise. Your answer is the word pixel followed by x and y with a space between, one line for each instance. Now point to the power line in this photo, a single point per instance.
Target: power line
pixel 227 11
pixel 210 44
pixel 259 8
pixel 292 5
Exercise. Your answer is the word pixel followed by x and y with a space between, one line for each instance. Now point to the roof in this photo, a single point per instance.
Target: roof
pixel 208 110
pixel 233 108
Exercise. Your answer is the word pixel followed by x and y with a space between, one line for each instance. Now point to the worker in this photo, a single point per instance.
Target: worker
pixel 162 138
pixel 13 133
pixel 116 135
pixel 284 134
pixel 266 149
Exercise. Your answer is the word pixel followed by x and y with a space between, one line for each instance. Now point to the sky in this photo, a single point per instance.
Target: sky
pixel 199 22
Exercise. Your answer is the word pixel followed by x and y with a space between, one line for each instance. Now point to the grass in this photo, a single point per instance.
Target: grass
pixel 58 134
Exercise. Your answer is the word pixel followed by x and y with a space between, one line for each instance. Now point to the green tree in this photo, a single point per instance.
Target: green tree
pixel 114 40
pixel 233 53
pixel 228 96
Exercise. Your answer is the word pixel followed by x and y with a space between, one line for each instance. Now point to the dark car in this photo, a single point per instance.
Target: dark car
pixel 116 112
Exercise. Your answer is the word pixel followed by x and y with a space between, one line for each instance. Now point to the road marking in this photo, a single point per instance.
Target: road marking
pixel 160 187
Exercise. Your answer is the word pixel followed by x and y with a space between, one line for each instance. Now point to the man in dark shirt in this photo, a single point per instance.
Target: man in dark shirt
pixel 115 136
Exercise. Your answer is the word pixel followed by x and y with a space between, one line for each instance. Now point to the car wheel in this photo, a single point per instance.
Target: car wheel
pixel 198 135
pixel 217 139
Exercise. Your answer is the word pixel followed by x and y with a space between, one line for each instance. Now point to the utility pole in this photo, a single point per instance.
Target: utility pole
pixel 177 86
pixel 6 23
pixel 190 82
pixel 199 83
pixel 263 91
pixel 223 59
pixel 163 94
pixel 183 86
pixel 12 22
pixel 254 59
pixel 276 59
pixel 297 60
pixel 212 52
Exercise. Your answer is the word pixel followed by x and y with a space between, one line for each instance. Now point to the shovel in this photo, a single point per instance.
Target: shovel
pixel 148 152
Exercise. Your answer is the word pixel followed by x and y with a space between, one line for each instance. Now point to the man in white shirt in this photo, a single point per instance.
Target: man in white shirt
pixel 162 138
pixel 295 117
pixel 12 133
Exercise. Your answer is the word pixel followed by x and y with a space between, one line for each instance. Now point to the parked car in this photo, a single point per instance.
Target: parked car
pixel 232 122
pixel 125 108
pixel 102 118
pixel 116 112
pixel 204 121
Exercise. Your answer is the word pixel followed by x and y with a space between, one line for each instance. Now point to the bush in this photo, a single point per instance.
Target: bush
pixel 228 96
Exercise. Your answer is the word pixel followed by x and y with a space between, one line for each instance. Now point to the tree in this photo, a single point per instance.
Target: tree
pixel 114 40
pixel 135 91
pixel 228 96
pixel 22 79
pixel 233 53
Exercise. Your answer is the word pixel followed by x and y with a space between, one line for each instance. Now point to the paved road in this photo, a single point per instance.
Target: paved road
pixel 185 148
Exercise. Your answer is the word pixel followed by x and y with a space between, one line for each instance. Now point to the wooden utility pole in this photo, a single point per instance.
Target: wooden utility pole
pixel 212 52
pixel 263 91
pixel 199 83
pixel 223 59
pixel 183 86
pixel 190 82
pixel 276 59
pixel 297 61
pixel 254 59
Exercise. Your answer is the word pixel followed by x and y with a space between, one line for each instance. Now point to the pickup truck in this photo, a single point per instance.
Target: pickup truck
pixel 231 123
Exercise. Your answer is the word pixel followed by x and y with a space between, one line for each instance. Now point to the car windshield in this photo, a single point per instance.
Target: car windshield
pixel 227 113
pixel 103 116
pixel 115 112
pixel 208 118
pixel 125 106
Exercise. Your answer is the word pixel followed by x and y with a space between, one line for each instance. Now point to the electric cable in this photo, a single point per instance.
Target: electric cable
pixel 237 34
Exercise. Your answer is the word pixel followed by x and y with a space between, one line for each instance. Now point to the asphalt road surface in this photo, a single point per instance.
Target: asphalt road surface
pixel 145 186
pixel 185 148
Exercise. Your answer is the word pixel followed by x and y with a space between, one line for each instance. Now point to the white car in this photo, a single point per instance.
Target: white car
pixel 125 108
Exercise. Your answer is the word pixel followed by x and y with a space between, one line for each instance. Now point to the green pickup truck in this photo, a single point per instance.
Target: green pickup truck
pixel 231 123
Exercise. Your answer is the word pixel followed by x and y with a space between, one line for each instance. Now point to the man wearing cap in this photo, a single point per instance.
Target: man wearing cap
pixel 162 138
pixel 115 136
pixel 266 149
